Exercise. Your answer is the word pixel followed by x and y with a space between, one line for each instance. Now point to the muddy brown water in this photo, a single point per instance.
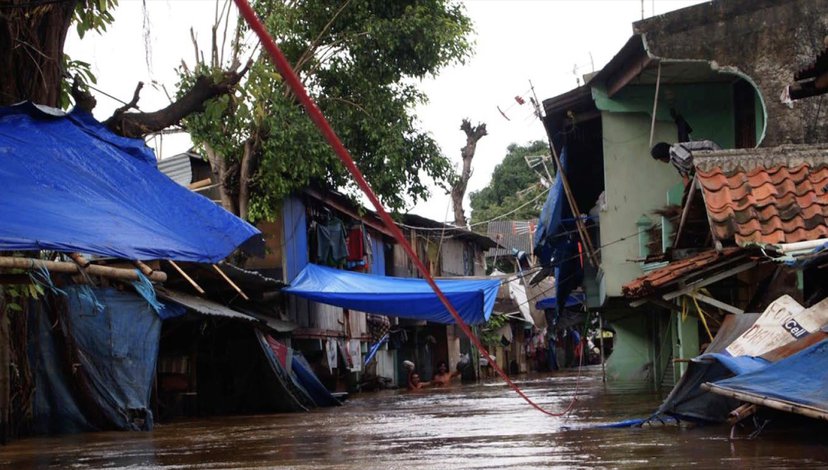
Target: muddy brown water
pixel 469 426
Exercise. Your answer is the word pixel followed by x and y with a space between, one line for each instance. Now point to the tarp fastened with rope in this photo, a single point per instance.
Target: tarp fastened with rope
pixel 72 185
pixel 394 296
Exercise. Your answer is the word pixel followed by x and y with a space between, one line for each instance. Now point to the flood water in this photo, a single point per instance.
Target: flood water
pixel 468 426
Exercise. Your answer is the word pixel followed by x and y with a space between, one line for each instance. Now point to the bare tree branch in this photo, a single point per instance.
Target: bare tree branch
pixel 204 89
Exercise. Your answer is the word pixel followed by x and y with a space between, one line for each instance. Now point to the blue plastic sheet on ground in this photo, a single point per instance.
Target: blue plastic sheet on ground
pixel 395 296
pixel 71 185
pixel 103 379
pixel 310 382
pixel 801 379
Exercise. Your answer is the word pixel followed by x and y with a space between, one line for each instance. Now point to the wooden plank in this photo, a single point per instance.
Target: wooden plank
pixel 773 403
pixel 716 303
pixel 710 280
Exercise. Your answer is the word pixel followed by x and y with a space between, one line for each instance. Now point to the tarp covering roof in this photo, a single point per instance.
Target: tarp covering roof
pixel 800 379
pixel 394 296
pixel 71 185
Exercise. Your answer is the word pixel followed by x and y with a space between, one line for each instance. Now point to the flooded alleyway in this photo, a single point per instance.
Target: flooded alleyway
pixel 470 426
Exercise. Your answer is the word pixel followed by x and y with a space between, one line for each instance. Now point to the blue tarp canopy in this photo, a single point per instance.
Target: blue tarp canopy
pixel 801 379
pixel 394 296
pixel 71 185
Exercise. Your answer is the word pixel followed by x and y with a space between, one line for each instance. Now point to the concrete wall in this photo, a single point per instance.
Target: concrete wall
pixel 708 108
pixel 630 366
pixel 635 186
pixel 768 40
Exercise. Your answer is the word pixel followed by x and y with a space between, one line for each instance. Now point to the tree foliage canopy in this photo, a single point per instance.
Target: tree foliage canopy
pixel 513 184
pixel 360 60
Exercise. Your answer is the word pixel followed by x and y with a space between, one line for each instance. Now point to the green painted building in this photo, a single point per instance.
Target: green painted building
pixel 608 127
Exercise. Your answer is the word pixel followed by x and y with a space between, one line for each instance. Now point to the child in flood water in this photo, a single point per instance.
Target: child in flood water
pixel 414 382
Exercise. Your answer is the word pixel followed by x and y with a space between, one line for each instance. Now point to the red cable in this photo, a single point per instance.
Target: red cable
pixel 285 69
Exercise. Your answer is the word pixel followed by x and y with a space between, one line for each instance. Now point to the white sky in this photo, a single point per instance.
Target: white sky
pixel 551 43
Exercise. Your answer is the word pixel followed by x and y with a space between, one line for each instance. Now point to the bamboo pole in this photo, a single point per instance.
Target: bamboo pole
pixel 146 270
pixel 188 278
pixel 775 404
pixel 229 281
pixel 603 357
pixel 15 262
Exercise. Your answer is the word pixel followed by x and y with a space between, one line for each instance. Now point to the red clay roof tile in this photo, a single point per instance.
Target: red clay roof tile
pixel 653 281
pixel 776 195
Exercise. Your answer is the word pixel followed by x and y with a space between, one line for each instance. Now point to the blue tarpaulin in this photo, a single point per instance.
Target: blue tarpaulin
pixel 112 338
pixel 687 401
pixel 71 185
pixel 397 297
pixel 551 302
pixel 550 223
pixel 801 379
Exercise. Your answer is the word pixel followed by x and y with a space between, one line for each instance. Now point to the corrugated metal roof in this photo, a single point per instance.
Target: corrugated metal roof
pixel 203 306
pixel 511 234
pixel 178 168
pixel 767 195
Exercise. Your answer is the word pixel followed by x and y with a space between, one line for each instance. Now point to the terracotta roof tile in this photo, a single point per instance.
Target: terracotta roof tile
pixel 653 281
pixel 774 195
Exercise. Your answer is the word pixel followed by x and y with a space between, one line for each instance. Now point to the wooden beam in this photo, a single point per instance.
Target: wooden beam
pixel 716 303
pixel 656 301
pixel 772 403
pixel 376 225
pixel 710 280
pixel 29 264
pixel 619 80
pixel 200 184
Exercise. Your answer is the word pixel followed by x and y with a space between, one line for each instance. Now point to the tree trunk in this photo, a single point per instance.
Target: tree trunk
pixel 219 168
pixel 32 36
pixel 458 191
pixel 246 169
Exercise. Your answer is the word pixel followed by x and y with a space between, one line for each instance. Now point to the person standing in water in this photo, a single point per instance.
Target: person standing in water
pixel 443 376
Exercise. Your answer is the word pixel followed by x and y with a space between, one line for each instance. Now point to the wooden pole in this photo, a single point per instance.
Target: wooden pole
pixel 15 262
pixel 188 278
pixel 685 211
pixel 229 281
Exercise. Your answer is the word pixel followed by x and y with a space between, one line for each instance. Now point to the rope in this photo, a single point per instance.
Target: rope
pixel 702 316
pixel 295 85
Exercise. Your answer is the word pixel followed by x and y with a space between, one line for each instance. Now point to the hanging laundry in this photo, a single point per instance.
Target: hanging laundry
pixel 346 353
pixel 330 353
pixel 331 248
pixel 355 351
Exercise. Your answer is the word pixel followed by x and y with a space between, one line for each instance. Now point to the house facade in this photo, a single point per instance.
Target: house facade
pixel 681 76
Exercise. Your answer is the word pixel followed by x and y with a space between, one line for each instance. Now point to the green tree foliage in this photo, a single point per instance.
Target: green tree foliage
pixel 513 184
pixel 360 61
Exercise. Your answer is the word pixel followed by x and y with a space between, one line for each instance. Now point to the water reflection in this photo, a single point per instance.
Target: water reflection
pixel 480 426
